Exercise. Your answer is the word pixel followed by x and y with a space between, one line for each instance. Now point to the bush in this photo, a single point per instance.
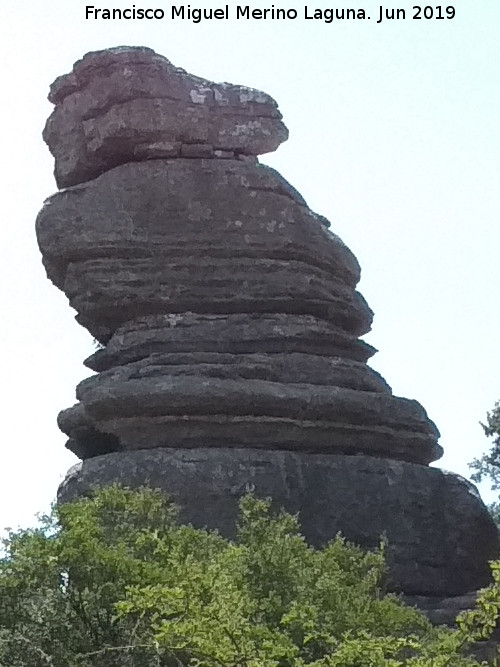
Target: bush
pixel 115 580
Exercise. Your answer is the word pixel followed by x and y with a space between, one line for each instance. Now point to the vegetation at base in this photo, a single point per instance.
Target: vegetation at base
pixel 115 581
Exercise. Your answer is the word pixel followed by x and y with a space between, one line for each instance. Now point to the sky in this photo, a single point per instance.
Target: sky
pixel 394 137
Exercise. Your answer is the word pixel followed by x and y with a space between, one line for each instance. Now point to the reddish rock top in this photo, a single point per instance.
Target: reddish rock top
pixel 129 104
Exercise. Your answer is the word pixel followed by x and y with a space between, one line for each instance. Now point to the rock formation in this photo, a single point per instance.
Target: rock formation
pixel 230 322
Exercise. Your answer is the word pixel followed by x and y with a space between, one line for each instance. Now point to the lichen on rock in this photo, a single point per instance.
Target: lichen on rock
pixel 229 318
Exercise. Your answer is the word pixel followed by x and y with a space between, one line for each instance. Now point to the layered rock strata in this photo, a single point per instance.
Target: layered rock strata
pixel 227 311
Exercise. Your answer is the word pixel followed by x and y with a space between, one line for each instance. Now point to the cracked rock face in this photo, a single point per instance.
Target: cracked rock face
pixel 227 311
pixel 130 104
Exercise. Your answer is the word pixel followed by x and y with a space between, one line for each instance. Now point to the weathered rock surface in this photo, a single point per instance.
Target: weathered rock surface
pixel 230 321
pixel 129 104
pixel 442 610
pixel 195 235
pixel 167 401
pixel 197 256
pixel 234 333
pixel 440 537
pixel 214 248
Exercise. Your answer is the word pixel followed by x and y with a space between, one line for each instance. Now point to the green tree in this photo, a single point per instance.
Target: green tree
pixel 115 580
pixel 488 465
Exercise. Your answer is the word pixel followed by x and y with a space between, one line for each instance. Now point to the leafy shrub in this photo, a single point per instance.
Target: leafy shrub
pixel 115 581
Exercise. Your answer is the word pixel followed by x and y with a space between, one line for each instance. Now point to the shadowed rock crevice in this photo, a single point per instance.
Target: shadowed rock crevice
pixel 230 325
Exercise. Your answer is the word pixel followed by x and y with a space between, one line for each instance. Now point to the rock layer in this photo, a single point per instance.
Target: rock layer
pixel 198 251
pixel 439 537
pixel 229 324
pixel 173 236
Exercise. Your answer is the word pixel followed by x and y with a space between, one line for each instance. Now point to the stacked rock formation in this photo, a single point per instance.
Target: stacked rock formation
pixel 230 322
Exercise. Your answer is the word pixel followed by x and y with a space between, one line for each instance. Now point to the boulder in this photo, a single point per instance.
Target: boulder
pixel 130 104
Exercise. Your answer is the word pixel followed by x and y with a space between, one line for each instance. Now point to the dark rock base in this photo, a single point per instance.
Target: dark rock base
pixel 440 534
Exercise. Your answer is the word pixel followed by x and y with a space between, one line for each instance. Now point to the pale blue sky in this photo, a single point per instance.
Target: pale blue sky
pixel 394 136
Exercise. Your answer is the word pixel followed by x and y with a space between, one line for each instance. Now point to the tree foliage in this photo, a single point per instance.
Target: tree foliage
pixel 488 465
pixel 115 581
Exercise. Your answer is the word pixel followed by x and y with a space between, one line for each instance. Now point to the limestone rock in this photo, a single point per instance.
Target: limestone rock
pixel 230 327
pixel 278 336
pixel 442 610
pixel 440 536
pixel 204 256
pixel 128 104
pixel 197 256
pixel 195 235
pixel 288 401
